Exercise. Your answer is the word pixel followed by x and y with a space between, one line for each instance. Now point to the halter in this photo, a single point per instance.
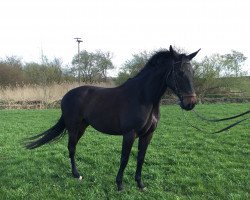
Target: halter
pixel 182 96
pixel 176 85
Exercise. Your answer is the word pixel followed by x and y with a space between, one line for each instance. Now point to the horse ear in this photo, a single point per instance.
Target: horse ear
pixel 192 55
pixel 173 52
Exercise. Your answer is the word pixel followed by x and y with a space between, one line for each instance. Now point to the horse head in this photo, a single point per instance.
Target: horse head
pixel 180 80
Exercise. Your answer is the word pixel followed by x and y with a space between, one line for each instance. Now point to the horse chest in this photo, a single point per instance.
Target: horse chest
pixel 150 125
pixel 140 120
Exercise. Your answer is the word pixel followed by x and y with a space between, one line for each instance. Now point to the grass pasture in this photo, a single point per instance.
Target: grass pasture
pixel 181 163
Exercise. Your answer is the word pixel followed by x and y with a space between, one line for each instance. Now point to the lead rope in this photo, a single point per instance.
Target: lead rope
pixel 219 120
pixel 221 130
pixel 201 116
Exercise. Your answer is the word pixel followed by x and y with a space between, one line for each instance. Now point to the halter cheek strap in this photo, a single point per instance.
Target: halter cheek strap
pixel 178 92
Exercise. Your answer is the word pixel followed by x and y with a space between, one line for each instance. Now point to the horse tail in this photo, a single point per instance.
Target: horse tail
pixel 52 134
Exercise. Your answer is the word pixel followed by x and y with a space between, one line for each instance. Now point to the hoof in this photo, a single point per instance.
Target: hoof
pixel 144 189
pixel 120 188
pixel 141 185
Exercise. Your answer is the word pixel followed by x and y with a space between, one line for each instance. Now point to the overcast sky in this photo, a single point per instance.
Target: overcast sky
pixel 122 27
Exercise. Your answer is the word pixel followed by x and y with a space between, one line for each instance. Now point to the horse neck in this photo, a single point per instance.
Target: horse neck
pixel 150 86
pixel 155 87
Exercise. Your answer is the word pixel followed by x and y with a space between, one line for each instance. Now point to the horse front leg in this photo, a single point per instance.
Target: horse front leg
pixel 144 141
pixel 127 143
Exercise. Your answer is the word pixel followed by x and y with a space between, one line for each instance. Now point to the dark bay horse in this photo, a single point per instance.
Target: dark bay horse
pixel 130 110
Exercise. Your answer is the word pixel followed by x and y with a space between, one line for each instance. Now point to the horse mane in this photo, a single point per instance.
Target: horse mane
pixel 151 63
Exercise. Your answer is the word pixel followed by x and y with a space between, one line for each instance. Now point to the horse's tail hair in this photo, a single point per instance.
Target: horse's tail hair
pixel 51 134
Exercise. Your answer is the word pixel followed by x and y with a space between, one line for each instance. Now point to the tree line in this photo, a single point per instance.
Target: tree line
pixel 92 66
pixel 213 74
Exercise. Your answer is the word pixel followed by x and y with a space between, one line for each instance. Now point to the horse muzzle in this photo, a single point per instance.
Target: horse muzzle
pixel 187 102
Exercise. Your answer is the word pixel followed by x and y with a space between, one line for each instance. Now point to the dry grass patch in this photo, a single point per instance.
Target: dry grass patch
pixel 29 94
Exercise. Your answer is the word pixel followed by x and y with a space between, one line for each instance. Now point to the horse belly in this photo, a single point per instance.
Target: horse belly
pixel 105 124
pixel 106 129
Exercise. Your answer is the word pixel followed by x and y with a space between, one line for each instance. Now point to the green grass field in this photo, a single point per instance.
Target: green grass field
pixel 181 163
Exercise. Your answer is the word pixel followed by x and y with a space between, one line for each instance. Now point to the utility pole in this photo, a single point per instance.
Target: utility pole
pixel 78 40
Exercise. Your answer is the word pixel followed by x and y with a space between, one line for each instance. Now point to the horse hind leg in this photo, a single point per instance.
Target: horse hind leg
pixel 74 136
